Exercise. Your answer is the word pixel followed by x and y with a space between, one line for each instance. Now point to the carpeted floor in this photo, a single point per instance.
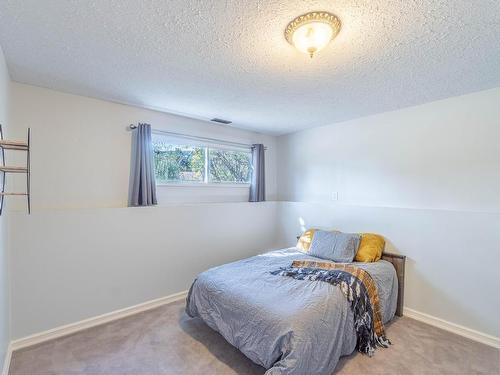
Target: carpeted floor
pixel 166 341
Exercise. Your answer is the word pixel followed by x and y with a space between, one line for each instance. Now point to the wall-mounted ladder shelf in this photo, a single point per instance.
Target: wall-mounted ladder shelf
pixel 4 169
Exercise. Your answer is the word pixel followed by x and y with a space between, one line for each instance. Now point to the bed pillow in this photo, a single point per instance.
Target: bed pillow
pixel 371 248
pixel 305 240
pixel 337 246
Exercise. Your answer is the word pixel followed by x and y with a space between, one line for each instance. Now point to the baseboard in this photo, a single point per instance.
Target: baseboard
pixel 69 329
pixel 6 362
pixel 452 327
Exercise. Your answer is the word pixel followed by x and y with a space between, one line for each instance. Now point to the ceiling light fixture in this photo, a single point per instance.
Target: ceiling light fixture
pixel 311 32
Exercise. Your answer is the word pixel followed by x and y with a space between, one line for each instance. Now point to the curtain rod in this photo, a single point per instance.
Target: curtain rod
pixel 196 138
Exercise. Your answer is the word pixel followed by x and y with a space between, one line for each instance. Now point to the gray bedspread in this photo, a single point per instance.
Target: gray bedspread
pixel 287 326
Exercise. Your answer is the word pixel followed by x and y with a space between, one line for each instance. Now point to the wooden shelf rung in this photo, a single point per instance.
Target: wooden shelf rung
pixel 20 148
pixel 13 145
pixel 13 193
pixel 13 169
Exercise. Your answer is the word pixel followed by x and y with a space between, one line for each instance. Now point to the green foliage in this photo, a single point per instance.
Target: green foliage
pixel 229 166
pixel 178 163
pixel 187 163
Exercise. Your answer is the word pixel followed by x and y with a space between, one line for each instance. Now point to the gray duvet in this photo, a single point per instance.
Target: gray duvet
pixel 287 326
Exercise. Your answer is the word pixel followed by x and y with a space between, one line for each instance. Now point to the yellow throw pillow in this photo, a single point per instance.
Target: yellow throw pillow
pixel 370 248
pixel 305 240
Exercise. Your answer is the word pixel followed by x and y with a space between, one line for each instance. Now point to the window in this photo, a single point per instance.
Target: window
pixel 180 160
pixel 178 163
pixel 229 166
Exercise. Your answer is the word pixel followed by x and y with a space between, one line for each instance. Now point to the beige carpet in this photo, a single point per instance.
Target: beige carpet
pixel 166 341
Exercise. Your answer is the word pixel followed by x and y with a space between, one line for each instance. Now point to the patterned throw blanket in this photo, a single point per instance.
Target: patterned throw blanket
pixel 359 289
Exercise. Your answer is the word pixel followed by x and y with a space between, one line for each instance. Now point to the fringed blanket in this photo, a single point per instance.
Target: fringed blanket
pixel 360 290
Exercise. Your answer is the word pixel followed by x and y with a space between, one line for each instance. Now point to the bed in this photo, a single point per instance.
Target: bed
pixel 287 326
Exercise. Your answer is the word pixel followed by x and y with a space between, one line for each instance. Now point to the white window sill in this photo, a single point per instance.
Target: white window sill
pixel 196 185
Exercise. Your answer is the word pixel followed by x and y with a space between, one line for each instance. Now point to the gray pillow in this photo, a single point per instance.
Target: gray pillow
pixel 337 246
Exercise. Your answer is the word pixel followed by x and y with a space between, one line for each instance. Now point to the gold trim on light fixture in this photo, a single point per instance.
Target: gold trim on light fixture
pixel 313 18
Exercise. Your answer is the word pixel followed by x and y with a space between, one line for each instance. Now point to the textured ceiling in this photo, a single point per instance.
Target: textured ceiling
pixel 229 59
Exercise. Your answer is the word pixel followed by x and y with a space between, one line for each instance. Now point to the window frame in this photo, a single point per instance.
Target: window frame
pixel 206 146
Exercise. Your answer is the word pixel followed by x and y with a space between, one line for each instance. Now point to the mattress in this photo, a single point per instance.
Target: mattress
pixel 287 326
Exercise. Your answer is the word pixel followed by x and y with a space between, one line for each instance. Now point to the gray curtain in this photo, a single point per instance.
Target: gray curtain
pixel 142 189
pixel 258 186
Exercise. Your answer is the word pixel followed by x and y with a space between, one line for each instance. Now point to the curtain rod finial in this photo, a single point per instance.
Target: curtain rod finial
pixel 132 126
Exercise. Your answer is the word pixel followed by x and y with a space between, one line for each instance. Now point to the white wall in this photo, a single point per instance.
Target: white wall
pixel 81 150
pixel 4 261
pixel 427 178
pixel 73 264
pixel 440 155
pixel 82 252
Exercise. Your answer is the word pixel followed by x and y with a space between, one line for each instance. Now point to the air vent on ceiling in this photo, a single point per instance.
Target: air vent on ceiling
pixel 221 121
